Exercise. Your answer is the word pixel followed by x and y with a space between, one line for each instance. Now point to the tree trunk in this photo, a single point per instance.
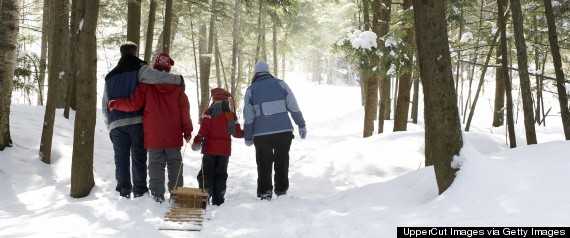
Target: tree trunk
pixel 537 77
pixel 499 109
pixel 150 31
pixel 275 61
pixel 62 84
pixel 196 67
pixel 443 139
pixel 205 62
pixel 259 32
pixel 505 70
pixel 371 105
pixel 9 26
pixel 403 104
pixel 58 48
pixel 134 21
pixel 560 84
pixel 381 20
pixel 523 72
pixel 481 81
pixel 82 180
pixel 43 53
pixel 235 45
pixel 73 35
pixel 366 14
pixel 217 62
pixel 415 100
pixel 166 33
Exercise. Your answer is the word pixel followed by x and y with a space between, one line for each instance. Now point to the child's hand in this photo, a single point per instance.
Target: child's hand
pixel 111 105
pixel 196 147
pixel 197 144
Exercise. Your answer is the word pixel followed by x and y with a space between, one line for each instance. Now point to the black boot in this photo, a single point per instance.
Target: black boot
pixel 125 192
pixel 159 198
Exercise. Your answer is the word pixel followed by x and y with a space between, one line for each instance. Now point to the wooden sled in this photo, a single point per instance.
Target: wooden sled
pixel 187 213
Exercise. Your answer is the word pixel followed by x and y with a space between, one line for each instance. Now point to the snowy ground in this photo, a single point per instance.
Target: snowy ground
pixel 341 185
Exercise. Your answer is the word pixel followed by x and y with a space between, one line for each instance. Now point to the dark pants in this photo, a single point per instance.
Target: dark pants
pixel 128 144
pixel 158 159
pixel 269 149
pixel 215 176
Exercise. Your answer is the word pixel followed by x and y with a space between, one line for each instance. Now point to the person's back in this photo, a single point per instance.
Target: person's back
pixel 267 104
pixel 166 116
pixel 121 82
pixel 217 126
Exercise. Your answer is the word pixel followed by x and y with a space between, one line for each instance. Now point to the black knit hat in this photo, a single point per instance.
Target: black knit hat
pixel 129 48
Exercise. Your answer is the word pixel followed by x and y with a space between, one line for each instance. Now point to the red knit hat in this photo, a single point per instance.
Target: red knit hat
pixel 219 94
pixel 163 62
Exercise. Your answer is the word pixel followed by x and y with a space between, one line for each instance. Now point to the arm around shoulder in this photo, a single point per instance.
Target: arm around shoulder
pixel 149 75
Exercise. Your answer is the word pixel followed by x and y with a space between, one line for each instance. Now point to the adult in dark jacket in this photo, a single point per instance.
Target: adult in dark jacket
pixel 217 126
pixel 126 130
pixel 267 104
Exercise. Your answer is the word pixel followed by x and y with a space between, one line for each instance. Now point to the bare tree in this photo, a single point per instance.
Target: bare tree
pixel 381 20
pixel 505 72
pixel 58 53
pixel 481 81
pixel 499 106
pixel 206 47
pixel 370 79
pixel 43 52
pixel 134 21
pixel 166 33
pixel 9 26
pixel 235 45
pixel 560 84
pixel 82 179
pixel 150 31
pixel 403 104
pixel 523 71
pixel 443 138
pixel 73 30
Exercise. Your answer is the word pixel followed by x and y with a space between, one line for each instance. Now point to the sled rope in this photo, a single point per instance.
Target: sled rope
pixel 181 163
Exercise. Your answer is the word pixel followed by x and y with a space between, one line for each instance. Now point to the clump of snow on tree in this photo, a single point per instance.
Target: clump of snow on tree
pixel 466 37
pixel 392 70
pixel 555 4
pixel 26 53
pixel 389 42
pixel 360 39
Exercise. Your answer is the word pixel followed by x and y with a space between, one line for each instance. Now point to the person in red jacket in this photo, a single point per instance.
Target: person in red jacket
pixel 166 122
pixel 217 125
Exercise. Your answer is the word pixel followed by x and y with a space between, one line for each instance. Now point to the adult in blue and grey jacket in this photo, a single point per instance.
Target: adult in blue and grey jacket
pixel 267 104
pixel 126 130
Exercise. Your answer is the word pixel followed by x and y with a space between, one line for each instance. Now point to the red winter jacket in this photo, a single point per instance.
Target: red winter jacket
pixel 166 114
pixel 214 130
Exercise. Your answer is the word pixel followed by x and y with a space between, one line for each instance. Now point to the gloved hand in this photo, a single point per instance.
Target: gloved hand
pixel 248 142
pixel 197 144
pixel 111 105
pixel 303 132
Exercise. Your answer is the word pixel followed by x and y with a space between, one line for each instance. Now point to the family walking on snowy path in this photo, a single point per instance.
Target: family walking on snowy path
pixel 146 109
